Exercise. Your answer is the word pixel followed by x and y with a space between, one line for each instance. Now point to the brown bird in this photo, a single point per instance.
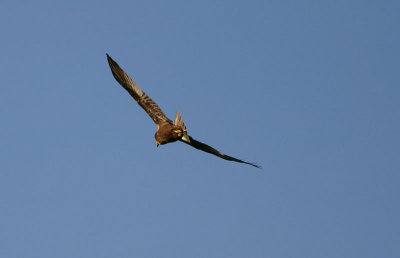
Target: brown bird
pixel 168 131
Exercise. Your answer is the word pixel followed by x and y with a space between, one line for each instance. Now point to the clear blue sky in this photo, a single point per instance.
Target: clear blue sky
pixel 308 89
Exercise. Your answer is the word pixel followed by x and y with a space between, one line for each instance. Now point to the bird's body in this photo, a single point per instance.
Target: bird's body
pixel 167 130
pixel 167 133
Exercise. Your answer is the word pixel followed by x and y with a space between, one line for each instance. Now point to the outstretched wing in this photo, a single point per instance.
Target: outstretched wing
pixel 151 108
pixel 204 147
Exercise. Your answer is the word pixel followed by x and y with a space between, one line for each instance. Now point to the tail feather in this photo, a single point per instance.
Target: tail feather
pixel 179 121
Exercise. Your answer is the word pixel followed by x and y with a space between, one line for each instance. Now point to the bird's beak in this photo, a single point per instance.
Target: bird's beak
pixel 157 144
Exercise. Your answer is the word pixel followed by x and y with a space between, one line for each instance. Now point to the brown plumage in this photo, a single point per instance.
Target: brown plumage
pixel 167 130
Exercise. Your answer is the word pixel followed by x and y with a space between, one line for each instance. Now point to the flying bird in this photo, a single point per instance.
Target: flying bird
pixel 167 130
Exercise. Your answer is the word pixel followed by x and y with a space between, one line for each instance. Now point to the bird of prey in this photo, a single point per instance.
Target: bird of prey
pixel 167 130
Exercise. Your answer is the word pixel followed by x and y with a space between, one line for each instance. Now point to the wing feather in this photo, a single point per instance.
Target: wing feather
pixel 151 108
pixel 204 147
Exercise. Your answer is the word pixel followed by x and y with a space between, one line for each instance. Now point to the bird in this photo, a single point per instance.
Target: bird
pixel 168 131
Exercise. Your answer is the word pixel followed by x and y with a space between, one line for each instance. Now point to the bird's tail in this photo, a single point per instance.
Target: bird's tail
pixel 179 121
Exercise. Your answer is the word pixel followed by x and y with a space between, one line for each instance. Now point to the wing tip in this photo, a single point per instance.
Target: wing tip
pixel 254 165
pixel 109 59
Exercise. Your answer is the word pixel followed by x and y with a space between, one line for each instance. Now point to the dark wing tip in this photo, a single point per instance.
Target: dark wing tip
pixel 254 165
pixel 110 60
pixel 118 73
pixel 241 161
pixel 207 148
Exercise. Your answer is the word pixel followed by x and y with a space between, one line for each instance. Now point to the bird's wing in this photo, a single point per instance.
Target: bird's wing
pixel 151 108
pixel 204 147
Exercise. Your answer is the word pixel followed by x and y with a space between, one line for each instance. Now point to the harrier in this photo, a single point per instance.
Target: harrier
pixel 167 130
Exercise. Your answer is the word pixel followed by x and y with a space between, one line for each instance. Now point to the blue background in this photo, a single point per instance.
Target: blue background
pixel 308 89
